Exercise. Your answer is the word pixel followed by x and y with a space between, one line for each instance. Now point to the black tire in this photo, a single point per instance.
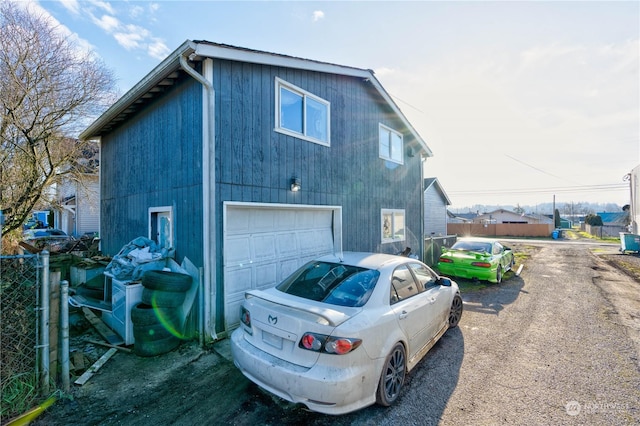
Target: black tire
pixel 143 314
pixel 156 347
pixel 392 377
pixel 499 275
pixel 166 281
pixel 162 299
pixel 151 333
pixel 455 314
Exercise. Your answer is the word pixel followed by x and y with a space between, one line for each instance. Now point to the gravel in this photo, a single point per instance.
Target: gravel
pixel 558 345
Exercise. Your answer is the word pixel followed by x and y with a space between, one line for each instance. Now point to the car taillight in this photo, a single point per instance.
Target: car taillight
pixel 481 264
pixel 327 344
pixel 445 260
pixel 245 318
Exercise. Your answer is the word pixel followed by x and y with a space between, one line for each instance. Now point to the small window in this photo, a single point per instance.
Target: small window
pixel 393 229
pixel 403 285
pixel 161 226
pixel 301 114
pixel 390 144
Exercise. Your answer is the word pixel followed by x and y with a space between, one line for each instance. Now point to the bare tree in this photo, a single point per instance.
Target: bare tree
pixel 49 90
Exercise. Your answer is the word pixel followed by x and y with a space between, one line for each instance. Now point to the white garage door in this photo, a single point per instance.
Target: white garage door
pixel 265 244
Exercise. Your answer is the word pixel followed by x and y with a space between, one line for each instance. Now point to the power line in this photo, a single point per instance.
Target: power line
pixel 583 188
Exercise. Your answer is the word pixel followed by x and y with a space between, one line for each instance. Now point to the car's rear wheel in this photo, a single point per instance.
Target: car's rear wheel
pixel 392 377
pixel 499 275
pixel 456 311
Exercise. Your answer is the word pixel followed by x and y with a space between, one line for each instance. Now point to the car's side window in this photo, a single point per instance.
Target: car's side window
pixel 497 248
pixel 403 285
pixel 424 275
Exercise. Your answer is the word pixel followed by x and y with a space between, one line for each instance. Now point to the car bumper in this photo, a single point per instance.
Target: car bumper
pixel 469 272
pixel 329 390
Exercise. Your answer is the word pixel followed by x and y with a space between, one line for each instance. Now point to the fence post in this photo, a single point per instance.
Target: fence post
pixel 432 259
pixel 44 324
pixel 64 333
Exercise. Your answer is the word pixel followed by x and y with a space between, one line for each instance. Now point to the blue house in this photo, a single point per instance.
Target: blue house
pixel 250 163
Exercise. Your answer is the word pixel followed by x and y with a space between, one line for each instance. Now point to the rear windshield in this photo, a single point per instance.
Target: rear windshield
pixel 332 283
pixel 478 246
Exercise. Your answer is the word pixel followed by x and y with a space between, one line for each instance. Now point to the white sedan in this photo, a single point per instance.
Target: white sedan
pixel 342 332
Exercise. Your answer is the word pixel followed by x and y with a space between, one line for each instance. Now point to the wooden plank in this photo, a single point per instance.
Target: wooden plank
pixel 95 342
pixel 95 367
pixel 108 334
pixel 78 301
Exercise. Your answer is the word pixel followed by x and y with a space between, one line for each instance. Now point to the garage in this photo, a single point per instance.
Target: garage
pixel 264 243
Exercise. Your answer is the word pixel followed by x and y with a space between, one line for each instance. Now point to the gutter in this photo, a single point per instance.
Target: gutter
pixel 207 317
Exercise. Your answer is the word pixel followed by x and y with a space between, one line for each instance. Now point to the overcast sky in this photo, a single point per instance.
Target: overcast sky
pixel 519 101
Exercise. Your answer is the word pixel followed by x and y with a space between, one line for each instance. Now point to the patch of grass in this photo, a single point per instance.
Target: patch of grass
pixel 19 393
pixel 471 285
pixel 576 234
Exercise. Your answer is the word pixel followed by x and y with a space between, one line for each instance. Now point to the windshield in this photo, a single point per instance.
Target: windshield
pixel 332 283
pixel 477 246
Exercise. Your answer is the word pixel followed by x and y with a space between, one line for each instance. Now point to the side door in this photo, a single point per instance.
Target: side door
pixel 437 296
pixel 409 307
pixel 498 251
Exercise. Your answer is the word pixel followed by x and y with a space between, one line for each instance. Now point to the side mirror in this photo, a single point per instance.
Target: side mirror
pixel 443 281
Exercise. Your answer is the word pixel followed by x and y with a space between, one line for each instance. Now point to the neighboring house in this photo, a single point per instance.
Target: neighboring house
pixel 460 217
pixel 613 223
pixel 435 208
pixel 507 216
pixel 79 214
pixel 250 163
pixel 78 199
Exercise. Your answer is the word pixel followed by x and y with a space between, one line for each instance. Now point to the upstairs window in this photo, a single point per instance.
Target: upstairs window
pixel 301 114
pixel 390 144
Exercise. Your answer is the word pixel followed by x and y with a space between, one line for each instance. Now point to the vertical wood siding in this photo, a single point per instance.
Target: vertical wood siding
pixel 435 213
pixel 155 160
pixel 256 163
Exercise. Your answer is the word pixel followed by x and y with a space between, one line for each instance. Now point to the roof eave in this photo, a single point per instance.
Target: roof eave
pixel 168 65
pixel 215 50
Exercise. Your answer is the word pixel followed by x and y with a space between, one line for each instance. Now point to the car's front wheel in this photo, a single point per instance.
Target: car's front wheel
pixel 456 311
pixel 392 377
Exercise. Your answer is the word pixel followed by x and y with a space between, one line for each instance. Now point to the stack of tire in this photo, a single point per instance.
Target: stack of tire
pixel 156 321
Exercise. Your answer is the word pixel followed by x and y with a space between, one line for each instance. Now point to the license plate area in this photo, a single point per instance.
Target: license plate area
pixel 272 340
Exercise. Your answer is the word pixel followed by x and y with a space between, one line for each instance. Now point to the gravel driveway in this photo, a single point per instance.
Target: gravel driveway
pixel 557 345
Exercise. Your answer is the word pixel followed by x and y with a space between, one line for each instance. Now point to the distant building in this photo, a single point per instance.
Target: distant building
pixel 614 222
pixel 435 208
pixel 508 216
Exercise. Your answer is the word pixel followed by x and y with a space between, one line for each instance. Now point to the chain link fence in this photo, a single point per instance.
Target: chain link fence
pixel 433 248
pixel 20 281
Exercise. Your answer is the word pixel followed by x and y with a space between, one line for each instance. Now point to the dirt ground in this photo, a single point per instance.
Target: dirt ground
pixel 128 386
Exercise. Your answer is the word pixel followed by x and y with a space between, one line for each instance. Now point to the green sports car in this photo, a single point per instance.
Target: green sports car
pixel 476 258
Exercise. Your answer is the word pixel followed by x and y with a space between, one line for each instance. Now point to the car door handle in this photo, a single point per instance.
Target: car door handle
pixel 432 300
pixel 403 315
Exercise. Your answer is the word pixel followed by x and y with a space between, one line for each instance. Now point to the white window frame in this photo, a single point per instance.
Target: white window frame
pixel 388 154
pixel 281 84
pixel 154 214
pixel 390 218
